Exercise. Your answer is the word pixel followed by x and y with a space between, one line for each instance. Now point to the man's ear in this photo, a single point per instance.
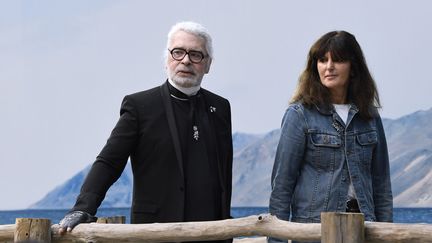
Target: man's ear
pixel 208 66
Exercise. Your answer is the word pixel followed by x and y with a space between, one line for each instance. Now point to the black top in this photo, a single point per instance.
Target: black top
pixel 202 187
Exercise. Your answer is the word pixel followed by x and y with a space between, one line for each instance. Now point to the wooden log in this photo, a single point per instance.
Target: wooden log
pixel 111 220
pixel 377 232
pixel 7 232
pixel 32 230
pixel 271 226
pixel 342 227
pixel 262 225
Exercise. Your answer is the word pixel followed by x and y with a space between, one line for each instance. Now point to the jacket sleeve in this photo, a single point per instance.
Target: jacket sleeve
pixel 381 184
pixel 111 161
pixel 229 159
pixel 288 160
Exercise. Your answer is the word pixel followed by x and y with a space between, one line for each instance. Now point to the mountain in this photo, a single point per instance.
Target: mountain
pixel 409 141
pixel 64 196
pixel 242 140
pixel 252 169
pixel 410 149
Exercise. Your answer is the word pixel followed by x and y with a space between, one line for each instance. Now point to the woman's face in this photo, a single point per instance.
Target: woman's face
pixel 334 75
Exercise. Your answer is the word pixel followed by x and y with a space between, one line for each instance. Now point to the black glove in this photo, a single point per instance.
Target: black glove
pixel 74 218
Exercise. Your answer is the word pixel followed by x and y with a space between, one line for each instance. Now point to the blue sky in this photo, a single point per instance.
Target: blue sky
pixel 66 65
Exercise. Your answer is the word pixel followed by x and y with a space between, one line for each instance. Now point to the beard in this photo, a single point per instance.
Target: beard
pixel 185 82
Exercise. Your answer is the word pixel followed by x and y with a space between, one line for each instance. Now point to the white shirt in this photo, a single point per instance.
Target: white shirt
pixel 342 110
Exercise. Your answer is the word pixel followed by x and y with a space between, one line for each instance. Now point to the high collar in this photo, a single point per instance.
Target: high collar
pixel 177 94
pixel 187 91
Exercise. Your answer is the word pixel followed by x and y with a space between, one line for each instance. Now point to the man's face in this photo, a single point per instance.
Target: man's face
pixel 184 72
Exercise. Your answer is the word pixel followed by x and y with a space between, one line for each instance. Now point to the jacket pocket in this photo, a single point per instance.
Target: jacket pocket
pixel 366 144
pixel 324 150
pixel 369 138
pixel 143 213
pixel 326 140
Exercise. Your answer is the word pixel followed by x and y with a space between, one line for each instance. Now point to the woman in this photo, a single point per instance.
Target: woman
pixel 332 154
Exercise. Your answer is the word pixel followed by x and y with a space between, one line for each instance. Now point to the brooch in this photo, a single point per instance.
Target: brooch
pixel 195 133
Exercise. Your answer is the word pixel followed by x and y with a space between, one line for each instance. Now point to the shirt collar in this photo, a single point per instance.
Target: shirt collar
pixel 187 91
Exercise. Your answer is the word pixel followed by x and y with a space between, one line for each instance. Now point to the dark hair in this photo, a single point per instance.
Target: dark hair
pixel 362 90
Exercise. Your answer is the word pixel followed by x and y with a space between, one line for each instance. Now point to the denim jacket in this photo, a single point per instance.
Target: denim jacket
pixel 316 157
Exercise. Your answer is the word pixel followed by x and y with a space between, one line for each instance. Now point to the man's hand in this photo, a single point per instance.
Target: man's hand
pixel 74 218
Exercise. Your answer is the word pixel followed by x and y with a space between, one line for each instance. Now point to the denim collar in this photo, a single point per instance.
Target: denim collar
pixel 329 109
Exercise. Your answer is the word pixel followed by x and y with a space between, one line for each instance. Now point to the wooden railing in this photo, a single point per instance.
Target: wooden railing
pixel 335 228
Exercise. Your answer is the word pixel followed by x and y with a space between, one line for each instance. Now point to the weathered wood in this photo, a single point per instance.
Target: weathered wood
pixel 262 225
pixel 32 230
pixel 398 233
pixel 192 231
pixel 342 227
pixel 7 232
pixel 111 220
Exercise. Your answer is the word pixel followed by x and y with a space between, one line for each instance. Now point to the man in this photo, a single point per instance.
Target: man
pixel 178 138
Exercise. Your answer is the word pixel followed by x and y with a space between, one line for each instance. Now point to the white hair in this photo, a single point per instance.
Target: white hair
pixel 192 28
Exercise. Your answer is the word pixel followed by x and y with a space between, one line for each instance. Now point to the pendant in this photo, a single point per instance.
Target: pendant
pixel 195 132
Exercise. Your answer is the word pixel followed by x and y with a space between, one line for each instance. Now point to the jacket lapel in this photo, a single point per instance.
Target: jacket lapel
pixel 172 124
pixel 211 112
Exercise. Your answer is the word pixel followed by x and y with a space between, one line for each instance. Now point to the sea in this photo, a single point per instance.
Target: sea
pixel 401 215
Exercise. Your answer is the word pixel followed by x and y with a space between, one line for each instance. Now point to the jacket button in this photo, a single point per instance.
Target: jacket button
pixel 181 189
pixel 326 139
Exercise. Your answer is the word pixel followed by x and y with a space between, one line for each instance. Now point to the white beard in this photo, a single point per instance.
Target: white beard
pixel 184 81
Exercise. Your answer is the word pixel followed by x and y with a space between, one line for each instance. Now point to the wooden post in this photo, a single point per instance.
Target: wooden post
pixel 32 230
pixel 342 227
pixel 112 220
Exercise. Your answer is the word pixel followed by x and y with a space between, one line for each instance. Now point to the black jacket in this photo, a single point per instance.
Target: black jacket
pixel 146 132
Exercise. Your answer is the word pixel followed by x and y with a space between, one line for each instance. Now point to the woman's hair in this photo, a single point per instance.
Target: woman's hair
pixel 362 90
